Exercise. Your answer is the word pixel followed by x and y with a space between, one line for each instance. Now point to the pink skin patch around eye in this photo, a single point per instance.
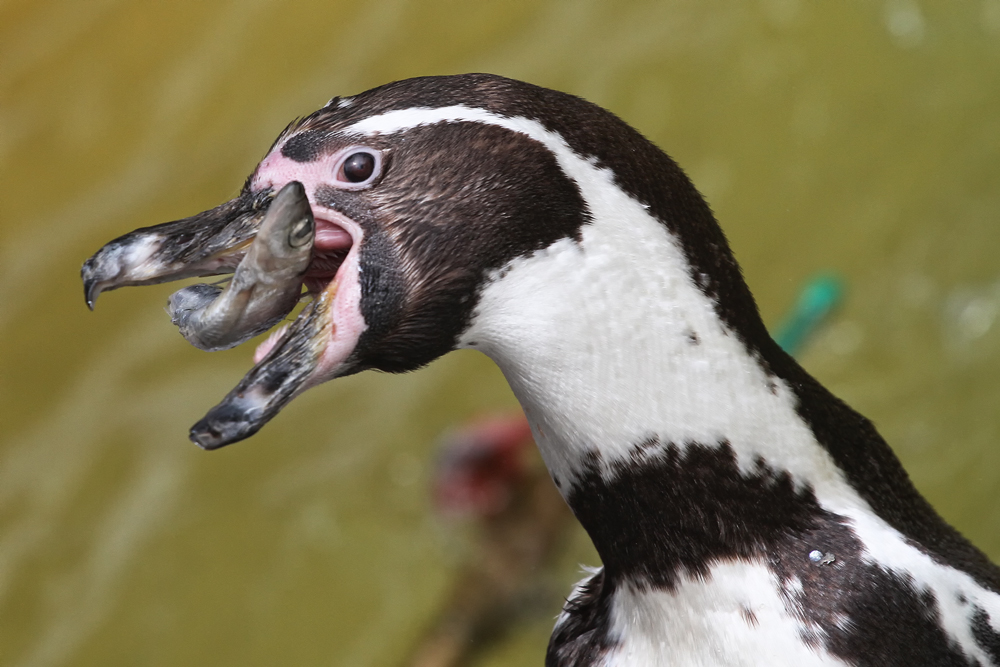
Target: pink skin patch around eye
pixel 334 269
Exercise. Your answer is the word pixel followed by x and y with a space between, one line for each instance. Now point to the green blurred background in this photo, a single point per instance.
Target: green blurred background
pixel 858 137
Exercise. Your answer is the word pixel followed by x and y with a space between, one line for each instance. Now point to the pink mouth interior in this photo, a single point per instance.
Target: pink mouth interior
pixel 330 248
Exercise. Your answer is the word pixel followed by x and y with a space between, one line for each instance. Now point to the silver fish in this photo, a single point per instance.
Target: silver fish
pixel 265 287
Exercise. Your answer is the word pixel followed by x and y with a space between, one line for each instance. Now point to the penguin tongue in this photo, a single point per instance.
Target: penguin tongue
pixel 284 365
pixel 330 236
pixel 331 246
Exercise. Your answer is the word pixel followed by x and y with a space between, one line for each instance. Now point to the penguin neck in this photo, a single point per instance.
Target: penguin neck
pixel 609 344
pixel 622 363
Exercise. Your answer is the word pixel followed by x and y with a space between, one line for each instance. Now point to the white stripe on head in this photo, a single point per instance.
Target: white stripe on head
pixel 400 120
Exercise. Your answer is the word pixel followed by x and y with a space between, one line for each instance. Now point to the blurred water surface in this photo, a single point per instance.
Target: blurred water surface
pixel 856 137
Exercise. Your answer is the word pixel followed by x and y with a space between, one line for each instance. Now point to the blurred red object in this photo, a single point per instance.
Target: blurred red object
pixel 481 465
pixel 490 472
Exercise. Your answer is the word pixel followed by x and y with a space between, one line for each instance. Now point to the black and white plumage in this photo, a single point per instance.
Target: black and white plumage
pixel 743 514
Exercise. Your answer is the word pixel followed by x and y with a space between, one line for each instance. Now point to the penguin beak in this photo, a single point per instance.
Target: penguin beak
pixel 207 244
pixel 312 349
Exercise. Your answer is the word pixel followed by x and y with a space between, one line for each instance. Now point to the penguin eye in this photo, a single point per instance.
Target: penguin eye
pixel 359 167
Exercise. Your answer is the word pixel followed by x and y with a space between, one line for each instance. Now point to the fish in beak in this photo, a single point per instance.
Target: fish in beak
pixel 266 286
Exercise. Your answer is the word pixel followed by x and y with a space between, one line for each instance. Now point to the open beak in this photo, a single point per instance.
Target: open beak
pixel 212 243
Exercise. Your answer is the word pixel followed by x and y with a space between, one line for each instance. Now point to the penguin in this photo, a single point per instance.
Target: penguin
pixel 743 514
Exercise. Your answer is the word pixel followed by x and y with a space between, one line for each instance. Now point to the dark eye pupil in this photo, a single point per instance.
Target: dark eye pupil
pixel 359 167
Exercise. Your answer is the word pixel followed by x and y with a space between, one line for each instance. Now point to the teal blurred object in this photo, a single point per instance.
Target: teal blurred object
pixel 816 301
